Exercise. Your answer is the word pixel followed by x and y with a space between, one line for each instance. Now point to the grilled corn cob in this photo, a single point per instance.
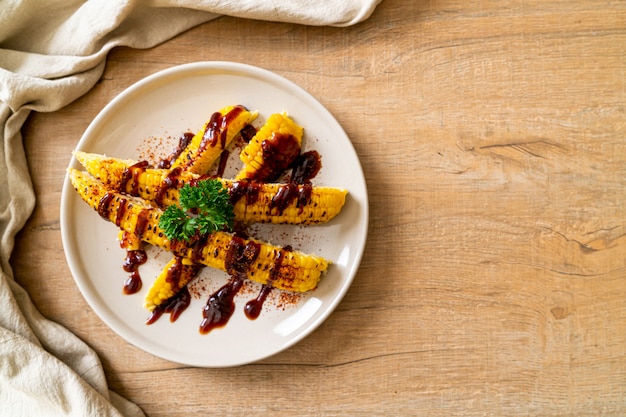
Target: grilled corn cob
pixel 174 277
pixel 270 152
pixel 253 202
pixel 296 271
pixel 215 136
pixel 286 203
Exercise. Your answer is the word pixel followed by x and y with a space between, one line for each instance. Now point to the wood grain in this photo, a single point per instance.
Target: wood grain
pixel 492 137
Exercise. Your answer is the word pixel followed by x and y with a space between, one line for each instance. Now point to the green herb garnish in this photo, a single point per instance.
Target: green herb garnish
pixel 204 208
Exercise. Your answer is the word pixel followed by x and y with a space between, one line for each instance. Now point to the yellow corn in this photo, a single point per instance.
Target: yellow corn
pixel 295 271
pixel 134 178
pixel 270 152
pixel 174 277
pixel 323 204
pixel 215 136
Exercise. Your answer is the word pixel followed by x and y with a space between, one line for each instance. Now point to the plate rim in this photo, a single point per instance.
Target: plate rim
pixel 182 71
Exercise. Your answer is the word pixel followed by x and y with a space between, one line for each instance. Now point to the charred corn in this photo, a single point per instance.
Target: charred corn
pixel 253 202
pixel 215 136
pixel 285 203
pixel 282 268
pixel 174 277
pixel 270 152
pixel 136 178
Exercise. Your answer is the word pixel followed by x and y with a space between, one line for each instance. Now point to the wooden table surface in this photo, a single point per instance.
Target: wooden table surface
pixel 492 137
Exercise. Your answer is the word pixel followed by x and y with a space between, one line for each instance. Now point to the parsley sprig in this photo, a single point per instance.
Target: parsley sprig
pixel 204 208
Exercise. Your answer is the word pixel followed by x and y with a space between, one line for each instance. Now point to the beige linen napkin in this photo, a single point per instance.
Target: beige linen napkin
pixel 52 52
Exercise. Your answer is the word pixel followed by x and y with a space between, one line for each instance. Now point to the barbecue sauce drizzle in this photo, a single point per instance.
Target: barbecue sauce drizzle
pixel 183 142
pixel 221 167
pixel 220 306
pixel 244 188
pixel 280 153
pixel 132 173
pixel 247 133
pixel 216 130
pixel 305 167
pixel 134 258
pixel 169 182
pixel 253 307
pixel 179 302
pixel 299 187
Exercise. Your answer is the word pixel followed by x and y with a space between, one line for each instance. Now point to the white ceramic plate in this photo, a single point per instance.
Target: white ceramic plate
pixel 165 105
